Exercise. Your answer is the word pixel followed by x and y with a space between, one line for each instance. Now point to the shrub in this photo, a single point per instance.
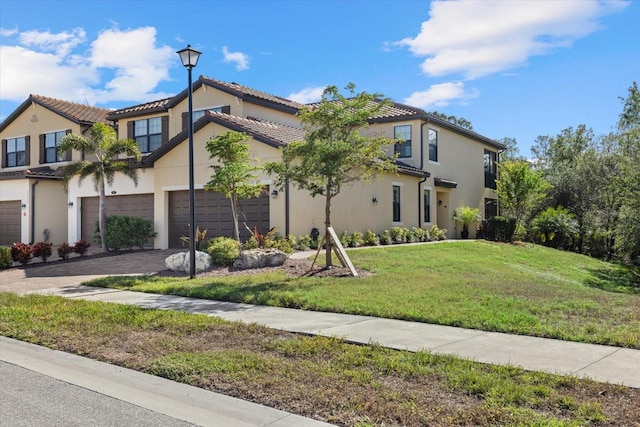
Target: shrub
pixel 437 233
pixel 344 239
pixel 500 229
pixel 21 252
pixel 126 232
pixel 555 227
pixel 64 250
pixel 223 250
pixel 81 247
pixel 41 250
pixel 304 243
pixel 371 238
pixel 356 240
pixel 200 236
pixel 419 234
pixel 5 257
pixel 251 243
pixel 385 238
pixel 399 235
pixel 283 245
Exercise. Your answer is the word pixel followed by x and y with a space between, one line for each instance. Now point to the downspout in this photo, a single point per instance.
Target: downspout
pixel 33 210
pixel 286 207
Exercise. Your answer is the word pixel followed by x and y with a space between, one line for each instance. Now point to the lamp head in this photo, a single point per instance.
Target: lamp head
pixel 189 56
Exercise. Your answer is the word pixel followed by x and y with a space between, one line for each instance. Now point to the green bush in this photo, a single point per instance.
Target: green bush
pixel 344 239
pixel 251 243
pixel 223 250
pixel 41 250
pixel 5 258
pixel 500 229
pixel 371 238
pixel 437 234
pixel 555 227
pixel 399 235
pixel 419 234
pixel 356 240
pixel 385 238
pixel 304 243
pixel 21 252
pixel 126 232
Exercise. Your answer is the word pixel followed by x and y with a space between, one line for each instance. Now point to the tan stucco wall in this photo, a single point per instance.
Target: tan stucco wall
pixel 34 121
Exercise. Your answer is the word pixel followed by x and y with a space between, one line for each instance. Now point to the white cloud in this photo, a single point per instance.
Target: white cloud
pixel 476 38
pixel 307 95
pixel 6 32
pixel 119 65
pixel 241 59
pixel 439 95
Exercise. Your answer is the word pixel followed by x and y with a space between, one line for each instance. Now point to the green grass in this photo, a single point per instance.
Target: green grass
pixel 521 289
pixel 325 378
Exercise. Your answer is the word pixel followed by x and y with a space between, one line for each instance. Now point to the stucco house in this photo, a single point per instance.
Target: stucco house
pixel 33 204
pixel 441 166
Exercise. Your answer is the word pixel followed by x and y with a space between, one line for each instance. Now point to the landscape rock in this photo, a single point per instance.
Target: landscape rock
pixel 259 258
pixel 175 262
pixel 203 262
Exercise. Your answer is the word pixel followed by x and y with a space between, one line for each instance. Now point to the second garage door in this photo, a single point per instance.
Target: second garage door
pixel 213 213
pixel 140 205
pixel 9 222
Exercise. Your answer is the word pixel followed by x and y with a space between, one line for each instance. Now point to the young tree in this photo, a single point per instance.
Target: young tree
pixel 334 153
pixel 234 175
pixel 519 189
pixel 104 146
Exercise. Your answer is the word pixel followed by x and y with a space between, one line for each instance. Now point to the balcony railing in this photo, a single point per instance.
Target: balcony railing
pixel 490 180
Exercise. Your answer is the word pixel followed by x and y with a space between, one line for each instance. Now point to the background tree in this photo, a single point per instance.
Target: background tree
pixel 460 121
pixel 511 151
pixel 104 146
pixel 520 189
pixel 334 153
pixel 234 176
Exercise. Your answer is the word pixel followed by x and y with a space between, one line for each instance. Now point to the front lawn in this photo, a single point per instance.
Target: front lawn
pixel 323 378
pixel 521 289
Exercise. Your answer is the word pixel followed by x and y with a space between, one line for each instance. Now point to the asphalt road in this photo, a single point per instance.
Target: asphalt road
pixel 29 399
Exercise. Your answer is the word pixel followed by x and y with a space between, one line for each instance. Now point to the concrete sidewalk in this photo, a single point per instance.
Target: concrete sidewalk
pixel 176 400
pixel 598 362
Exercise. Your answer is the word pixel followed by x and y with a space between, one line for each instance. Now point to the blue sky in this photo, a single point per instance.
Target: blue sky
pixel 512 68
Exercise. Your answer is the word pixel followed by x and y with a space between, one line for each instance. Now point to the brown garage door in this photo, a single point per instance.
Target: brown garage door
pixel 9 222
pixel 140 205
pixel 213 213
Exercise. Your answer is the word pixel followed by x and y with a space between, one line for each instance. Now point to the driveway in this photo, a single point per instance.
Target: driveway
pixel 74 272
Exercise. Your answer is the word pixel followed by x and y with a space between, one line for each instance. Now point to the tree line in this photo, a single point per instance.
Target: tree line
pixel 579 191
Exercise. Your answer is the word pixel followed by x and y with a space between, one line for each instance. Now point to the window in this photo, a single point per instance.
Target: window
pixel 426 195
pixel 396 203
pixel 433 145
pixel 50 147
pixel 16 152
pixel 148 134
pixel 490 208
pixel 402 133
pixel 225 109
pixel 490 169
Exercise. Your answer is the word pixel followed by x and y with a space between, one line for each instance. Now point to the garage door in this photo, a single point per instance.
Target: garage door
pixel 213 213
pixel 140 205
pixel 9 222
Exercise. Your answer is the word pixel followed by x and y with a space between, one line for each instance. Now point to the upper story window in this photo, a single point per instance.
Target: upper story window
pixel 14 152
pixel 226 109
pixel 402 133
pixel 148 134
pixel 49 143
pixel 490 169
pixel 396 203
pixel 433 145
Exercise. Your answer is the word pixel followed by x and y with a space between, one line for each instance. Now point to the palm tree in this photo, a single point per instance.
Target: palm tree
pixel 104 147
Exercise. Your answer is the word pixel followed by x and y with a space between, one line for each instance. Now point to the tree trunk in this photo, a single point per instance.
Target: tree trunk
pixel 102 221
pixel 236 229
pixel 327 224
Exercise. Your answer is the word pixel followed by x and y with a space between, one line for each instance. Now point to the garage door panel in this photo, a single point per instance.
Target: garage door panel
pixel 10 222
pixel 138 205
pixel 213 213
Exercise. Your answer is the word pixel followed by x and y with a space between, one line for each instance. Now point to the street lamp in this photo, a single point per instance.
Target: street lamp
pixel 189 58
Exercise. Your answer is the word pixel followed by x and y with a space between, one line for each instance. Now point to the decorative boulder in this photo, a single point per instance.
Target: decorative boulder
pixel 258 258
pixel 174 262
pixel 203 262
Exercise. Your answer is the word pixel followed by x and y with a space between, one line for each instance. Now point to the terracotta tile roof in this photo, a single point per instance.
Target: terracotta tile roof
pixel 408 169
pixel 77 113
pixel 245 91
pixel 392 111
pixel 274 132
pixel 39 172
pixel 443 182
pixel 146 108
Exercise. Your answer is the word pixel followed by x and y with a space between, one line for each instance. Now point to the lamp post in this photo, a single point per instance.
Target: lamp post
pixel 189 58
